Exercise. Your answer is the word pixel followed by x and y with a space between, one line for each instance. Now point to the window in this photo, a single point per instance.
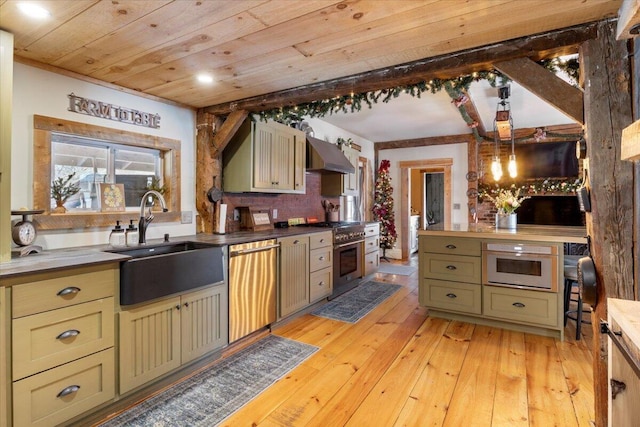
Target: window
pixel 99 154
pixel 93 162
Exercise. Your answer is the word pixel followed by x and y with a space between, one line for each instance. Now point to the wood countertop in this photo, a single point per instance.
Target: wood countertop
pixel 627 315
pixel 57 259
pixel 532 233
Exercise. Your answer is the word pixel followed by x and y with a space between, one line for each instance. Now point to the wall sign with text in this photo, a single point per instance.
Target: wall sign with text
pixel 78 104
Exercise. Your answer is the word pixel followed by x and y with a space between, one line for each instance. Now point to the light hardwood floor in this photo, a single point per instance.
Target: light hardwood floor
pixel 400 367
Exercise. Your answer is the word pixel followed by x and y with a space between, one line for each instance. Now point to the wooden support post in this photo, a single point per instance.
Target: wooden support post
pixel 606 72
pixel 207 167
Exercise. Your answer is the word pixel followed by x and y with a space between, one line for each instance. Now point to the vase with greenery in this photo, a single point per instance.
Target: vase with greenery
pixel 383 208
pixel 506 201
pixel 61 189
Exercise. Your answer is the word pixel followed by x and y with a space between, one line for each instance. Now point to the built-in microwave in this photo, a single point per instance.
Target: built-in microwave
pixel 524 266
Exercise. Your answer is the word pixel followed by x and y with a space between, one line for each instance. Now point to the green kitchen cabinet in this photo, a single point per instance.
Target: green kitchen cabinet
pixel 265 157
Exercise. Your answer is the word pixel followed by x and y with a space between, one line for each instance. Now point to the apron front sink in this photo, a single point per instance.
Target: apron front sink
pixel 171 268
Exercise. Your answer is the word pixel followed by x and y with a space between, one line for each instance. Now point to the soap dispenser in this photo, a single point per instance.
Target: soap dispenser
pixel 132 235
pixel 117 236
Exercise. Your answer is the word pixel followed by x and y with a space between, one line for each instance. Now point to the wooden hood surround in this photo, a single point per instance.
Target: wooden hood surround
pixel 611 222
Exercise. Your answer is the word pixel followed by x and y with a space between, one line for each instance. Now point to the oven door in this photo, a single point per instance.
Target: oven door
pixel 535 271
pixel 347 262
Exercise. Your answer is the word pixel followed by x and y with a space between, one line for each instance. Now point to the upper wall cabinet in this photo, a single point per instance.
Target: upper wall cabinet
pixel 266 158
pixel 343 184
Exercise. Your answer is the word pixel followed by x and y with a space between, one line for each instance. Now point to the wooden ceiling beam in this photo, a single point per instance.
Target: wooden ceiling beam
pixel 536 47
pixel 423 142
pixel 228 129
pixel 472 111
pixel 628 18
pixel 546 85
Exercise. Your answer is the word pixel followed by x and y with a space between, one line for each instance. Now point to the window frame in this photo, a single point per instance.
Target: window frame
pixel 43 127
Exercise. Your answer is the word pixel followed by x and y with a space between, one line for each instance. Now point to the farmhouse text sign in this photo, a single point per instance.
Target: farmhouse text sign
pixel 78 104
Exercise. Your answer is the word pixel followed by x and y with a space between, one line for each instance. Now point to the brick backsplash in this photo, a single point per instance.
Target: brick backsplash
pixel 288 205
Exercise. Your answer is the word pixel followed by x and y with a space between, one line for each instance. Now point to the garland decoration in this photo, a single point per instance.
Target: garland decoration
pixel 455 87
pixel 532 187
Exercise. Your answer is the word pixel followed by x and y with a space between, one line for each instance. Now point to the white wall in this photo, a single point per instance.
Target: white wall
pixel 330 133
pixel 39 92
pixel 459 168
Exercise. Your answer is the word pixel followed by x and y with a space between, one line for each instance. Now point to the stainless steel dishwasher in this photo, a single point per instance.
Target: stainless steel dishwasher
pixel 252 287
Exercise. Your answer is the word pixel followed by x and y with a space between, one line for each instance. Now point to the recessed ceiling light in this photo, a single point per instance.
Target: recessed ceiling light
pixel 33 10
pixel 205 78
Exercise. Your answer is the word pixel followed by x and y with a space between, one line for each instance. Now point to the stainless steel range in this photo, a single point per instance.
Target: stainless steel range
pixel 348 247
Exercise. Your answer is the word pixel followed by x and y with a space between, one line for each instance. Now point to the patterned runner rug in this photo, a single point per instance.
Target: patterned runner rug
pixel 402 270
pixel 357 303
pixel 210 396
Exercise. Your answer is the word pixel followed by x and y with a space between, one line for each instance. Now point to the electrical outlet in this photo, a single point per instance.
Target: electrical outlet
pixel 456 206
pixel 236 215
pixel 275 214
pixel 186 217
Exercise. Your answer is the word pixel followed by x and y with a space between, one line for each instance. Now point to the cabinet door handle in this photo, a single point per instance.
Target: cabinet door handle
pixel 186 304
pixel 450 246
pixel 451 267
pixel 617 387
pixel 68 291
pixel 518 304
pixel 321 240
pixel 295 242
pixel 68 390
pixel 452 296
pixel 321 283
pixel 321 258
pixel 178 307
pixel 68 334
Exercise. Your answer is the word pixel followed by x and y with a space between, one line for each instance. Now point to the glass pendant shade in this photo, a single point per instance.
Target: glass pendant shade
pixel 512 167
pixel 496 168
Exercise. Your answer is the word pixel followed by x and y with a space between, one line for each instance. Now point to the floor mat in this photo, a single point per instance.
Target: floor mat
pixel 357 303
pixel 402 270
pixel 210 396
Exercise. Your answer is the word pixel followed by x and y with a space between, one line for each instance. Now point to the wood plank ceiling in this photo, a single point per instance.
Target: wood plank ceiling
pixel 256 47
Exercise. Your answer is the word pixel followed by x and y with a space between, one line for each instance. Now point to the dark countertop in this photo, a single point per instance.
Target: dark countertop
pixel 52 260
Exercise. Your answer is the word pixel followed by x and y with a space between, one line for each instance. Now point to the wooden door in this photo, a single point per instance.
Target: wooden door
pixel 204 321
pixel 294 274
pixel 262 156
pixel 149 342
pixel 299 167
pixel 282 157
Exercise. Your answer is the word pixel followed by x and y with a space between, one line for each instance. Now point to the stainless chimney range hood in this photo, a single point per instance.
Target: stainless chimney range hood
pixel 325 157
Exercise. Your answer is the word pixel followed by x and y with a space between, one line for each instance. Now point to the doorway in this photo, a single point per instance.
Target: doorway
pixel 432 198
pixel 407 170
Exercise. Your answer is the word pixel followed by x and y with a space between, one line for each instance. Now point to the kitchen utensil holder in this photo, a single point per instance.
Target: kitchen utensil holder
pixel 333 216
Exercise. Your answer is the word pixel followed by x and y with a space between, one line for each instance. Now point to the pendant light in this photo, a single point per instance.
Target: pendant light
pixel 503 129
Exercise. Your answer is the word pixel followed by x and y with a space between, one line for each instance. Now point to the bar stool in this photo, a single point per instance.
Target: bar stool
pixel 571 286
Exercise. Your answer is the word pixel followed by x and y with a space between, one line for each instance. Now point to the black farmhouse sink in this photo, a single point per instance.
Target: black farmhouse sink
pixel 166 269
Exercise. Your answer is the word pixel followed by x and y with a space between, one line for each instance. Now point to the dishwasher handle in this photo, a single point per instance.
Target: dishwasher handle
pixel 253 250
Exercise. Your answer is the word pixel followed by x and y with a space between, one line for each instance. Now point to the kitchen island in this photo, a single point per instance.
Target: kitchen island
pixel 512 279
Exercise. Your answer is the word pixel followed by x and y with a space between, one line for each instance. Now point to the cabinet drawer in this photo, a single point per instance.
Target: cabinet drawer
pixel 321 240
pixel 63 291
pixel 372 230
pixel 371 262
pixel 37 400
pixel 320 258
pixel 521 305
pixel 462 297
pixel 451 245
pixel 452 267
pixel 39 340
pixel 371 244
pixel 320 284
